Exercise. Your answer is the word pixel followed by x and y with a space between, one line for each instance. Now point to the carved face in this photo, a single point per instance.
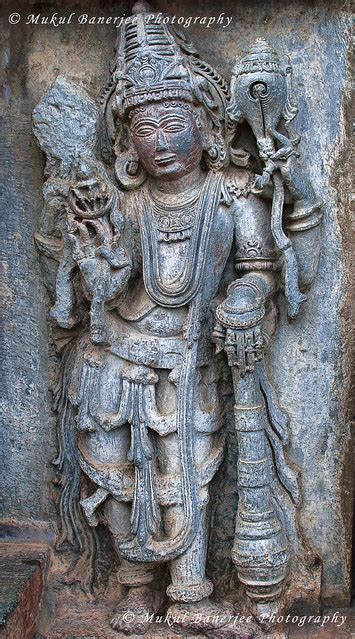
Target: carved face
pixel 167 140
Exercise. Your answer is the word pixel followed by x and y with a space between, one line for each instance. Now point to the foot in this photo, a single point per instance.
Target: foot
pixel 199 617
pixel 209 618
pixel 134 613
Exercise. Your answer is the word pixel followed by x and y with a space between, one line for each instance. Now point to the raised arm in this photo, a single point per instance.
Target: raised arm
pixel 95 230
pixel 302 225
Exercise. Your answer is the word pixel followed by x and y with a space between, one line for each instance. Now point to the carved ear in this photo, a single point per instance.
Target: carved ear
pixel 128 170
pixel 213 143
pixel 222 157
pixel 216 152
pixel 201 121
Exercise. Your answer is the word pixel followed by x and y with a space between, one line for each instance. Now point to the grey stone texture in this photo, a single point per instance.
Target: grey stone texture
pixel 309 358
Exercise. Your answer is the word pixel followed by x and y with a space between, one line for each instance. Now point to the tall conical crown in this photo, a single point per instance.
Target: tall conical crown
pixel 156 62
pixel 150 63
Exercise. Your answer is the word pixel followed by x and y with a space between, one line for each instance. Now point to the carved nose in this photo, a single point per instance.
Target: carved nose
pixel 161 143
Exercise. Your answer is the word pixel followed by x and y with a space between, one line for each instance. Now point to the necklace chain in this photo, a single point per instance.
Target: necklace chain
pixel 174 218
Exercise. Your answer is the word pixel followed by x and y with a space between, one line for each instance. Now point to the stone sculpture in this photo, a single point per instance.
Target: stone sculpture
pixel 149 309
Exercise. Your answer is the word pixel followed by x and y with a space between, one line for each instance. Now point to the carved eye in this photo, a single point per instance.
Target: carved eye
pixel 144 131
pixel 174 127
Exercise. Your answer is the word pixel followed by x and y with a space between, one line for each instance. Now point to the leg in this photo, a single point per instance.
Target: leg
pixel 189 582
pixel 190 589
pixel 142 600
pixel 192 610
pixel 188 577
pixel 131 573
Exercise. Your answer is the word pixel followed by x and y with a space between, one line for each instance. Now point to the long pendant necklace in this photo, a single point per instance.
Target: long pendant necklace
pixel 182 289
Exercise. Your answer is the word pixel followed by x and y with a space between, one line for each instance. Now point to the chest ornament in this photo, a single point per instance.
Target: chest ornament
pixel 169 223
pixel 174 222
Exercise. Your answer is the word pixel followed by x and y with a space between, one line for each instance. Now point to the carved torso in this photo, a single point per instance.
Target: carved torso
pixel 175 251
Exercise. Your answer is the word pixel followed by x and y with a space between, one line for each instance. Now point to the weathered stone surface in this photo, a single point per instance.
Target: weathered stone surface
pixel 23 566
pixel 72 116
pixel 309 358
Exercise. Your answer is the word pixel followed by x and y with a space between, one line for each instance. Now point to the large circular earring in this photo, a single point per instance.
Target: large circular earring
pixel 128 170
pixel 216 153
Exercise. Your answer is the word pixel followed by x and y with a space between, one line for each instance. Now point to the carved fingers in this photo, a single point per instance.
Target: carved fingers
pixel 266 148
pixel 244 347
pixel 287 148
pixel 96 251
pixel 83 241
pixel 80 241
pixel 90 198
pixel 238 330
pixel 103 231
pixel 275 159
pixel 218 336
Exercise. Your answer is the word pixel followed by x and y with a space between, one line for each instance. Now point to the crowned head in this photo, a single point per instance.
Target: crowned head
pixel 172 104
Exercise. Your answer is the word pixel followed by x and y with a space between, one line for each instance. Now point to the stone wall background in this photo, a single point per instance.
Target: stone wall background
pixel 310 358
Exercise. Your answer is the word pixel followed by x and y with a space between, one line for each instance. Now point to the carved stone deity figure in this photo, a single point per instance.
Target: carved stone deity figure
pixel 170 251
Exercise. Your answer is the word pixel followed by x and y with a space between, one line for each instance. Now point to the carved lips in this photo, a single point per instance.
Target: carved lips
pixel 163 160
